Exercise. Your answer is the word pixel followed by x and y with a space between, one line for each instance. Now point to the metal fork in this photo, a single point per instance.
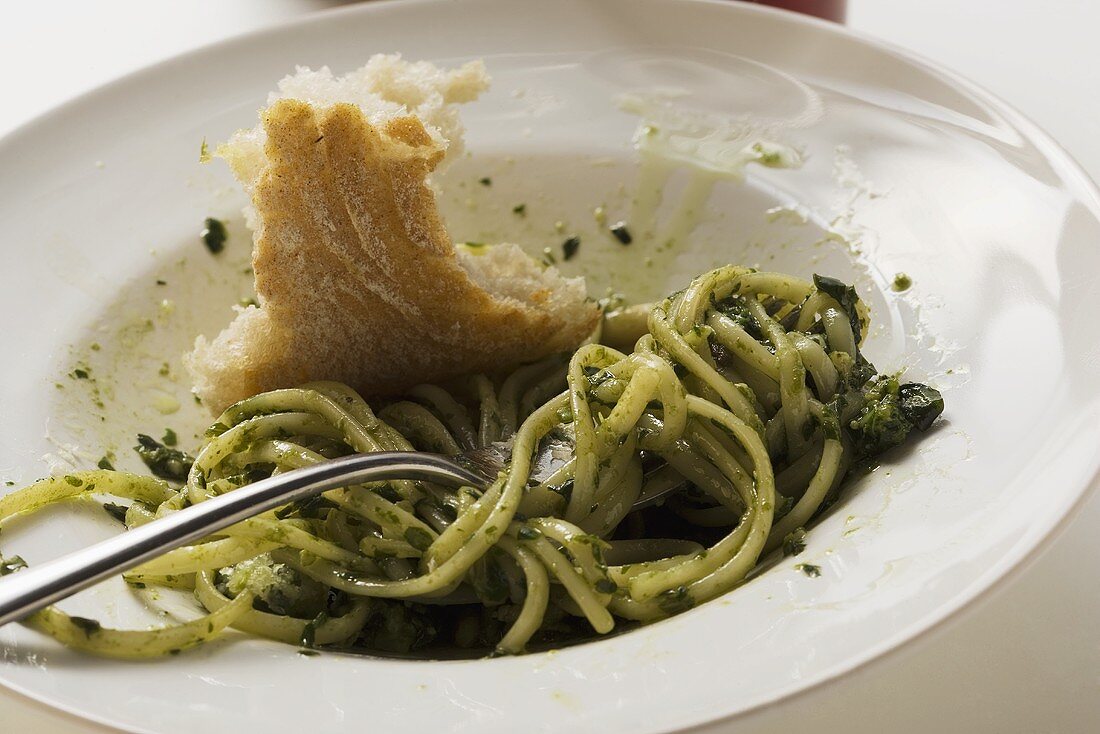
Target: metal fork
pixel 33 589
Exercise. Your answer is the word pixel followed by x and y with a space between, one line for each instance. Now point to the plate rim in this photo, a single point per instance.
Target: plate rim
pixel 991 582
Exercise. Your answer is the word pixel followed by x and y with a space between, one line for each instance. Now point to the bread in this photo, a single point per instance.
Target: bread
pixel 384 88
pixel 357 279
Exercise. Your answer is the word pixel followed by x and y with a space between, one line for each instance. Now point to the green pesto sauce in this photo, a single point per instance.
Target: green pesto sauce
pixel 214 235
pixel 621 233
pixel 570 246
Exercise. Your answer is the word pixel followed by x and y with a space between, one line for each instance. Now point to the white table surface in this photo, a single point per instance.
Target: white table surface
pixel 1026 658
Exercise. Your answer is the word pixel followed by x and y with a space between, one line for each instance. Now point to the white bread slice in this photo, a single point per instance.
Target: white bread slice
pixel 356 277
pixel 384 88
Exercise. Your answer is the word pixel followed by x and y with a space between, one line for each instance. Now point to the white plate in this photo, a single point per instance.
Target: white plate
pixel 909 168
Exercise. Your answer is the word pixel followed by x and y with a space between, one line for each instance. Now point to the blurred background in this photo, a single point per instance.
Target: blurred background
pixel 1040 56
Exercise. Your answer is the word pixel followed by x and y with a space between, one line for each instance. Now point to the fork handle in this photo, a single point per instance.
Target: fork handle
pixel 35 588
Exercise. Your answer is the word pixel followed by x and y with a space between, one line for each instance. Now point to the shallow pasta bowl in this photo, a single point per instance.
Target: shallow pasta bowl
pixel 907 169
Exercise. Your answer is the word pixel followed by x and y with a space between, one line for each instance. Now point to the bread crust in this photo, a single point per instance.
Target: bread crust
pixel 356 276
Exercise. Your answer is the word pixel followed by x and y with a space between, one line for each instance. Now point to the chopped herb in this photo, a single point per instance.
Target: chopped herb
pixel 902 282
pixel 170 437
pixel 11 565
pixel 606 586
pixel 795 542
pixel 308 653
pixel 565 490
pixel 88 626
pixel 526 533
pixel 213 235
pixel 164 370
pixel 309 631
pixel 846 296
pixel 74 481
pixel 9 483
pixel 809 569
pixel 216 430
pixel 890 412
pixel 675 600
pixel 474 244
pixel 486 181
pixel 622 234
pixel 161 282
pixel 204 152
pixel 767 156
pixel 570 246
pixel 920 404
pixel 313 507
pixel 118 512
pixel 520 210
pixel 397 627
pixel 830 423
pixel 165 462
pixel 388 493
pixel 418 538
pixel 880 423
pixel 80 374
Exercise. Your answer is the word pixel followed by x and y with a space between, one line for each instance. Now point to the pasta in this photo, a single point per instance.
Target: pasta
pixel 746 393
